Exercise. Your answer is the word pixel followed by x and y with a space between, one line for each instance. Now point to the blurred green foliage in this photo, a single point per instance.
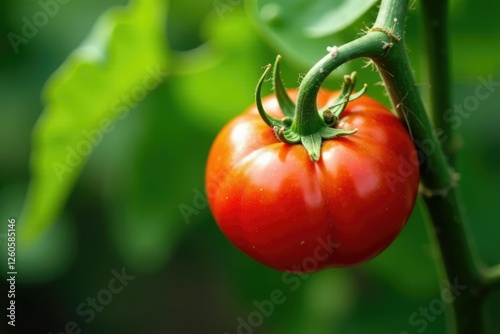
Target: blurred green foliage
pixel 124 209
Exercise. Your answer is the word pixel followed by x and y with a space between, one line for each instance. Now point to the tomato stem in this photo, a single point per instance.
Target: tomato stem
pixel 308 125
pixel 443 203
pixel 384 45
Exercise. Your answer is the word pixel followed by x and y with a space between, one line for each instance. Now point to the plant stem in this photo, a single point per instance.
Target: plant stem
pixel 442 200
pixel 394 67
pixel 307 125
pixel 435 23
pixel 459 262
pixel 365 46
pixel 435 15
pixel 385 45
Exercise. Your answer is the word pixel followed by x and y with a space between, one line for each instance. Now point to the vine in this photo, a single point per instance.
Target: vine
pixel 384 45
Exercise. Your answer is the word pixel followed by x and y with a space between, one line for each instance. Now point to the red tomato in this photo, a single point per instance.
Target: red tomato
pixel 294 214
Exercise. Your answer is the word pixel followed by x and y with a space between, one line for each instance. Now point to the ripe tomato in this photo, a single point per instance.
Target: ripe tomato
pixel 294 214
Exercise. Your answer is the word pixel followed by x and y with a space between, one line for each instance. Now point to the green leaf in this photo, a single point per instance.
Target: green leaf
pixel 334 16
pixel 303 29
pixel 155 191
pixel 123 58
pixel 223 72
pixel 156 194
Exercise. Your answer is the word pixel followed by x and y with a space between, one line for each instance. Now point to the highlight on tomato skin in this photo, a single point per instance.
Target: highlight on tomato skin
pixel 294 214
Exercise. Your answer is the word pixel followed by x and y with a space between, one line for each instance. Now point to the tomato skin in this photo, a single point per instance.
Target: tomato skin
pixel 294 214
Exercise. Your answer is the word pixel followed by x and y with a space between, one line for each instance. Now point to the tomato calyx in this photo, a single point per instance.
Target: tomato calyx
pixel 303 122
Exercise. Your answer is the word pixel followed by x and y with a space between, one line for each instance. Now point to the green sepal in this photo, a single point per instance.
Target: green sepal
pixel 268 119
pixel 330 133
pixel 339 103
pixel 291 128
pixel 286 136
pixel 312 144
pixel 285 102
pixel 291 137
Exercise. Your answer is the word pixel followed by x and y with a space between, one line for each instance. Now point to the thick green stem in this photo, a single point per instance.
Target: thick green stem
pixel 450 232
pixel 384 44
pixel 442 201
pixel 435 24
pixel 400 84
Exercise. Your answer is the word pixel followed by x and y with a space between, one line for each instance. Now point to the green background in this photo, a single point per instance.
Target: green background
pixel 123 211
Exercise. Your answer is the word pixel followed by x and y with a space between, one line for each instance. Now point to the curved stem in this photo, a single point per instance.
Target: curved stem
pixel 307 123
pixel 308 126
pixel 370 45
